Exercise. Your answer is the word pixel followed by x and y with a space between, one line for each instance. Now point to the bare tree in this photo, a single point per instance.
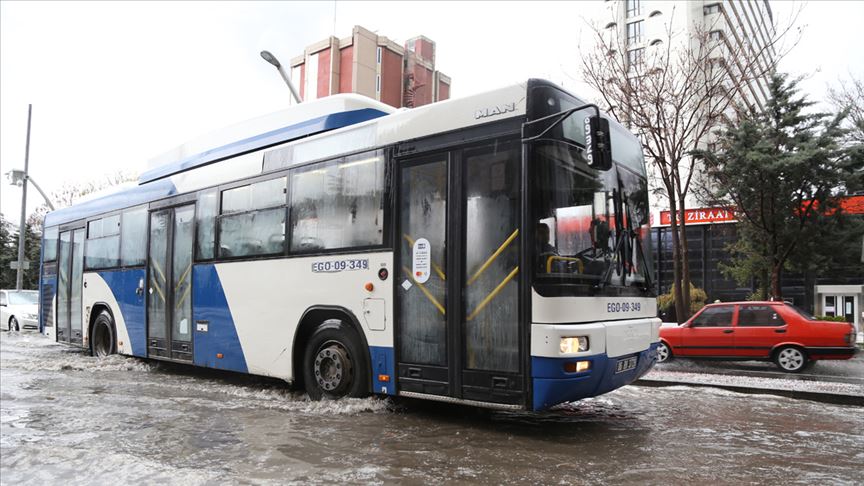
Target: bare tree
pixel 673 94
pixel 69 194
pixel 850 96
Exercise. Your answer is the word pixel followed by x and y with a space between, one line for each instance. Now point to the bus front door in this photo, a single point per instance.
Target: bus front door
pixel 457 291
pixel 169 289
pixel 70 270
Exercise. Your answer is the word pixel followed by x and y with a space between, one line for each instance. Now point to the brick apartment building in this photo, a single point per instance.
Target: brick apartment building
pixel 374 66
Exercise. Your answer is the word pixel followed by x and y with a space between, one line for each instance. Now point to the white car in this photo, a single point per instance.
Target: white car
pixel 19 310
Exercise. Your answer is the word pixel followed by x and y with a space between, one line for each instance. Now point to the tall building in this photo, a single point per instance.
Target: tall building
pixel 745 25
pixel 374 66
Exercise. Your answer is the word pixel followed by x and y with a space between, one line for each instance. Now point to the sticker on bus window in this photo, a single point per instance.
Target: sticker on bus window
pixel 421 257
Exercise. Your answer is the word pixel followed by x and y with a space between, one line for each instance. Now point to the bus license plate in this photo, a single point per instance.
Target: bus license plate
pixel 625 364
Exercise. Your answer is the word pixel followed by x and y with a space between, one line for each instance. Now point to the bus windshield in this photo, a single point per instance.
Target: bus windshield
pixel 591 227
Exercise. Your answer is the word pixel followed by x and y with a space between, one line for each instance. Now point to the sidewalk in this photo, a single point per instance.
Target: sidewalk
pixel 850 392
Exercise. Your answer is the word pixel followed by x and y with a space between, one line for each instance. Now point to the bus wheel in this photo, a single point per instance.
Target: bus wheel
pixel 102 336
pixel 334 365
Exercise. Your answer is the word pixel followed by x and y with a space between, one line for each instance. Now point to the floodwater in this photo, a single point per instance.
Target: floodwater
pixel 66 417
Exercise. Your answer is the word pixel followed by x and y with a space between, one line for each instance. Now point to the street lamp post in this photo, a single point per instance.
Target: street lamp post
pixel 19 277
pixel 272 60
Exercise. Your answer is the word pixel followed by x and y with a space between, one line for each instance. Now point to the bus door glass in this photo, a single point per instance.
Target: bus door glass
pixel 421 276
pixel 490 288
pixel 64 264
pixel 70 276
pixel 169 289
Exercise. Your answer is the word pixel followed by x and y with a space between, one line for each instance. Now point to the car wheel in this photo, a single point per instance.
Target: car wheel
pixel 102 336
pixel 791 359
pixel 334 363
pixel 13 324
pixel 664 354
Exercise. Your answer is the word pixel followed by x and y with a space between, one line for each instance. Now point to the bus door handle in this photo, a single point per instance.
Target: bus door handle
pixel 728 331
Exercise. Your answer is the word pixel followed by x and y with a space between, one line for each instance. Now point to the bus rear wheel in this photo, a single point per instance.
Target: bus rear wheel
pixel 334 364
pixel 102 336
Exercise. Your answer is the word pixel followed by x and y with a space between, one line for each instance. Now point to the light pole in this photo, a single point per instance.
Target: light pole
pixel 272 60
pixel 19 277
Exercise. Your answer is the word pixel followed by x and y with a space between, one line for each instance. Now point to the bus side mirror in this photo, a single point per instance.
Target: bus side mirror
pixel 598 143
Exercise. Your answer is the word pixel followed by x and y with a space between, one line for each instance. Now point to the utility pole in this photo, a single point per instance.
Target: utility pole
pixel 22 228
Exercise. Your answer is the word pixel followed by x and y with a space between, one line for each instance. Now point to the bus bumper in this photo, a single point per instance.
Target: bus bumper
pixel 554 385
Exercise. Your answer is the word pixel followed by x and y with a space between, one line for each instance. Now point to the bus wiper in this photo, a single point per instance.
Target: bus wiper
pixel 619 241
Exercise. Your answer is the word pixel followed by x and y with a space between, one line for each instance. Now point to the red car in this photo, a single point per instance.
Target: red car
pixel 773 331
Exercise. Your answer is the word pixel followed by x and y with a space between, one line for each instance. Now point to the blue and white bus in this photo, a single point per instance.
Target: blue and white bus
pixel 471 251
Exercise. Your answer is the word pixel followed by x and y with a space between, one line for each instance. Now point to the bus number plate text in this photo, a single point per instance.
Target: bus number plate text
pixel 340 266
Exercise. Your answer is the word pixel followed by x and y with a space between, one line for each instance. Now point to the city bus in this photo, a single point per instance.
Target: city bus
pixel 480 250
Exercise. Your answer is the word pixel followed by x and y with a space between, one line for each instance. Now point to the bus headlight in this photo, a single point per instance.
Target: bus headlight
pixel 574 344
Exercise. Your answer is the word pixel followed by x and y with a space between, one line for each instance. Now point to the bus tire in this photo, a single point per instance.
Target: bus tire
pixel 334 362
pixel 102 342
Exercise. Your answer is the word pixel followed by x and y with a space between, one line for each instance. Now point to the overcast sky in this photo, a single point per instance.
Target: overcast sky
pixel 116 83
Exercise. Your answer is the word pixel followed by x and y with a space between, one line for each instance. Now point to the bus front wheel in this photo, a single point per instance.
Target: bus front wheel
pixel 334 365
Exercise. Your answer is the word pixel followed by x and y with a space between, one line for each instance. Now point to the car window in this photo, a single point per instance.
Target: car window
pixel 714 317
pixel 2 298
pixel 23 298
pixel 759 315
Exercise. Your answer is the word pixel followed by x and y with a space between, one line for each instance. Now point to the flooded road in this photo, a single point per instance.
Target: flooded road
pixel 66 417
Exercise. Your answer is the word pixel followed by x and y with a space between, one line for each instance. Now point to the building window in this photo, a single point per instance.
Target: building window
pixel 715 35
pixel 635 57
pixel 634 32
pixel 338 204
pixel 634 8
pixel 378 83
pixel 379 55
pixel 711 9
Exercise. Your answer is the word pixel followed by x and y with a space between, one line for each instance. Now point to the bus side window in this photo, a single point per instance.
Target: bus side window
pixel 133 237
pixel 205 219
pixel 103 243
pixel 338 204
pixel 252 221
pixel 49 244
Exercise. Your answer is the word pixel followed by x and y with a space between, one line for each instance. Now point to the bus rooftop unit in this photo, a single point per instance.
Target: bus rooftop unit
pixel 477 250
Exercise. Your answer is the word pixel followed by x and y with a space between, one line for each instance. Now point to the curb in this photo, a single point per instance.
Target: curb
pixel 833 398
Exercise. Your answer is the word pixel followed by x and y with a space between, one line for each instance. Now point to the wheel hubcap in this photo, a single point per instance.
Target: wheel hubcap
pixel 662 353
pixel 791 359
pixel 333 370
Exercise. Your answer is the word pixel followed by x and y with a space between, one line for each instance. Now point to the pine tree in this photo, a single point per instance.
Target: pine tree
pixel 782 171
pixel 8 254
